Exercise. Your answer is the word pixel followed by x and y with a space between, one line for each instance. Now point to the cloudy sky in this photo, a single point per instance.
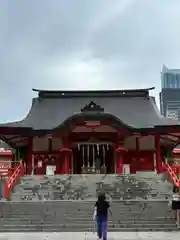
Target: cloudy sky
pixel 83 44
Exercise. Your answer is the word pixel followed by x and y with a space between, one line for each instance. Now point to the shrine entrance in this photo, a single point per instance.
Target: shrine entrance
pixel 91 158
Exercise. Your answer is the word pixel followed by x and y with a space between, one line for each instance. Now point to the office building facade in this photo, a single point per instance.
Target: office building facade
pixel 170 93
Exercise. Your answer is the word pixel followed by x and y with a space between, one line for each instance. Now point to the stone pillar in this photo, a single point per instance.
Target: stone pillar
pixel 158 155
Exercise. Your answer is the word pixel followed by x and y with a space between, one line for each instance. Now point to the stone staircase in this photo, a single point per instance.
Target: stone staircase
pixel 76 216
pixel 65 203
pixel 86 187
pixel 58 187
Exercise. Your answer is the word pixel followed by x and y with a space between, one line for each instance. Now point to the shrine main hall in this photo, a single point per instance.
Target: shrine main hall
pixel 74 132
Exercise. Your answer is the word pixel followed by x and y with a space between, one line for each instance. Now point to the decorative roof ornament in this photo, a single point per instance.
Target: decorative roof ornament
pixel 92 107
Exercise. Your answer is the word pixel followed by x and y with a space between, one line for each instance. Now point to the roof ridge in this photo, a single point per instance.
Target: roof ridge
pixel 91 90
pixel 93 93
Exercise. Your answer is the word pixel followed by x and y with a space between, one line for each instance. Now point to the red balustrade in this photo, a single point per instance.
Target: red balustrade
pixel 176 169
pixel 6 168
pixel 13 179
pixel 172 173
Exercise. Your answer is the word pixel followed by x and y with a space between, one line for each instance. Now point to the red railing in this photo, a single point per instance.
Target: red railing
pixel 176 169
pixel 13 179
pixel 172 173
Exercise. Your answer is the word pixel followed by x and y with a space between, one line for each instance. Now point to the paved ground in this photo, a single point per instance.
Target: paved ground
pixel 91 236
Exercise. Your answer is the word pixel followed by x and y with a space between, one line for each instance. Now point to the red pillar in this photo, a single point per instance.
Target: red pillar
pixel 119 157
pixel 137 155
pixel 49 144
pixel 67 157
pixel 120 164
pixel 158 155
pixel 66 163
pixel 29 155
pixel 137 149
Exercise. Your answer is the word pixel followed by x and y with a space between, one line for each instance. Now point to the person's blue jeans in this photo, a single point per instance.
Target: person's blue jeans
pixel 102 227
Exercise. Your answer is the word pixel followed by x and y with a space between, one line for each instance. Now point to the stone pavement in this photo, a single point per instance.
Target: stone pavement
pixel 91 236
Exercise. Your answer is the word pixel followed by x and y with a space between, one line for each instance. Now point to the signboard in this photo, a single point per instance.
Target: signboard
pixel 126 169
pixel 39 164
pixel 50 169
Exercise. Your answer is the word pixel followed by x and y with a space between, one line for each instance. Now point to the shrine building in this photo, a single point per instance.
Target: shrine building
pixel 74 132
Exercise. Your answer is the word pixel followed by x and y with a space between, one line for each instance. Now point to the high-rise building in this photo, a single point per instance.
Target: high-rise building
pixel 170 93
pixel 170 78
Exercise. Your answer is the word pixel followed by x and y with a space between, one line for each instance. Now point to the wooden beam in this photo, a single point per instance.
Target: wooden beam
pixel 167 139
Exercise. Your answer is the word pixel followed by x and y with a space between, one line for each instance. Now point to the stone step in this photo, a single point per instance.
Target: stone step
pixel 37 215
pixel 123 230
pixel 119 228
pixel 115 217
pixel 84 208
pixel 90 225
pixel 84 187
pixel 80 212
pixel 83 220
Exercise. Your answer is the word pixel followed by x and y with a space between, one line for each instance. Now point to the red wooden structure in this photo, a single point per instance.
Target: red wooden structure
pixel 70 131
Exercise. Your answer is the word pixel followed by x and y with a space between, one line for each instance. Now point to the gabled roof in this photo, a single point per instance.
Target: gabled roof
pixel 133 109
pixel 53 111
